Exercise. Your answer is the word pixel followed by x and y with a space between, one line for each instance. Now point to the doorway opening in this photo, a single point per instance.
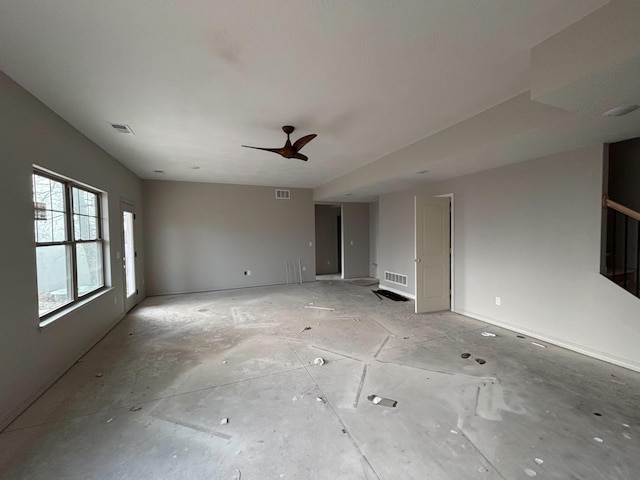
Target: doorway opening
pixel 129 255
pixel 329 243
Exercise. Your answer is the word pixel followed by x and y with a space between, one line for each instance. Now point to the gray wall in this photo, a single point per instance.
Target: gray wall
pixel 202 236
pixel 529 233
pixel 328 245
pixel 32 358
pixel 355 240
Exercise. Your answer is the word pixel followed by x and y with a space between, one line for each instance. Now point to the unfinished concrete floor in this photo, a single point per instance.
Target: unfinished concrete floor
pixel 148 400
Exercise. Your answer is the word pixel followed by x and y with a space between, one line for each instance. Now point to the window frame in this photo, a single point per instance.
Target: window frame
pixel 71 243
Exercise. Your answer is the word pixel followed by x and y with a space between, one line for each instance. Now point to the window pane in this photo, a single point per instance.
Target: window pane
pixel 85 211
pixel 53 229
pixel 44 230
pixel 85 228
pixel 54 277
pixel 59 227
pixel 49 192
pixel 89 263
pixel 84 203
pixel 49 210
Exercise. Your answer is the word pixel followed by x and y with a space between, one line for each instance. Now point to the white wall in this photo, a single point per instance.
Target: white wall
pixel 32 358
pixel 355 240
pixel 202 236
pixel 529 233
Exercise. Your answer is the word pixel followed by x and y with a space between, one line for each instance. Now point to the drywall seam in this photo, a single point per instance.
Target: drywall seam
pixel 621 362
pixel 238 287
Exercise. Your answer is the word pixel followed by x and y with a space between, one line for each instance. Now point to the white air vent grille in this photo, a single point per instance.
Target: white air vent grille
pixel 395 278
pixel 283 194
pixel 122 128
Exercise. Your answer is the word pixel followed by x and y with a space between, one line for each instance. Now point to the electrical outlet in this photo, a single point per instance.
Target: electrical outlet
pixel 311 244
pixel 328 262
pixel 498 301
pixel 351 243
pixel 304 269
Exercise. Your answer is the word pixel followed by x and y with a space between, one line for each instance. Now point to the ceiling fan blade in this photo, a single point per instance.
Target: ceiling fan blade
pixel 274 150
pixel 300 156
pixel 302 141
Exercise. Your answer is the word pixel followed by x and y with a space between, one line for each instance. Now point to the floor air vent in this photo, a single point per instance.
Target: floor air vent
pixel 395 278
pixel 283 194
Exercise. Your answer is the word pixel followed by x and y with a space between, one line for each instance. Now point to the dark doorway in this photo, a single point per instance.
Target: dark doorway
pixel 328 223
pixel 339 242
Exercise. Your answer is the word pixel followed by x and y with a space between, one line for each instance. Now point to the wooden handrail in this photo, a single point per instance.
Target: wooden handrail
pixel 607 202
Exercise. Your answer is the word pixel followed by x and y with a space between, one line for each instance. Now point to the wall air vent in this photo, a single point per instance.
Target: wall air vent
pixel 283 194
pixel 122 128
pixel 395 278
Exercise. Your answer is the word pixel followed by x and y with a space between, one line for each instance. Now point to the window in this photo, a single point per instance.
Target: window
pixel 69 242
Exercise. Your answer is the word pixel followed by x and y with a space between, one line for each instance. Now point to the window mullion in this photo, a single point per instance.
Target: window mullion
pixel 71 237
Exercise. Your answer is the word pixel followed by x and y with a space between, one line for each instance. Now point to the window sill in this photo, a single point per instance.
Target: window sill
pixel 53 319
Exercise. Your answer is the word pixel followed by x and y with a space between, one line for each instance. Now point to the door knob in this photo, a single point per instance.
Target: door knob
pixel 417 260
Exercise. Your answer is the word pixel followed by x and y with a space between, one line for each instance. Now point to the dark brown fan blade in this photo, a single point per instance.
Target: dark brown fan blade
pixel 300 156
pixel 302 141
pixel 279 151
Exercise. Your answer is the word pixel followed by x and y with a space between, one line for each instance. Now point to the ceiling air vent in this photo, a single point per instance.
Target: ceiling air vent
pixel 395 278
pixel 283 194
pixel 122 128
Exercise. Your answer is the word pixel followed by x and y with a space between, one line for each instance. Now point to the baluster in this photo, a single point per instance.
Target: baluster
pixel 638 259
pixel 626 241
pixel 613 244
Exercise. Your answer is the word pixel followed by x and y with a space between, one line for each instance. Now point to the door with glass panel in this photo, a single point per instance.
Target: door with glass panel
pixel 129 256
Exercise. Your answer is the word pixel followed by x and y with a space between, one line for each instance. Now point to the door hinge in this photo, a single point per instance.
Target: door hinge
pixel 135 254
pixel 134 216
pixel 137 291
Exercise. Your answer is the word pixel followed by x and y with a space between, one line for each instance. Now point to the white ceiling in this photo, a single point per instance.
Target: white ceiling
pixel 195 79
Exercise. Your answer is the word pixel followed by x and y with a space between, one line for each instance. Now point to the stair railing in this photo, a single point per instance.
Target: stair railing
pixel 628 214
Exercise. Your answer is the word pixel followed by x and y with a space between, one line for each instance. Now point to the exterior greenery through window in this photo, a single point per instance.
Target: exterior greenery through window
pixel 69 242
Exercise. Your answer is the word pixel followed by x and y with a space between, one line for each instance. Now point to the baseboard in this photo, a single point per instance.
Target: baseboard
pixel 7 420
pixel 399 292
pixel 224 289
pixel 620 362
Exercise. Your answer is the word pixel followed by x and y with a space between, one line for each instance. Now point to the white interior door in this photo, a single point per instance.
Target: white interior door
pixel 433 254
pixel 129 256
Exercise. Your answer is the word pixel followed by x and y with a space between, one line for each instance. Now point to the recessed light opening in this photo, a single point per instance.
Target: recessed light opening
pixel 619 111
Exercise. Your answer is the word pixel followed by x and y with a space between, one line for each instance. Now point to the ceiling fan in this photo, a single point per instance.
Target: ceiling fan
pixel 290 150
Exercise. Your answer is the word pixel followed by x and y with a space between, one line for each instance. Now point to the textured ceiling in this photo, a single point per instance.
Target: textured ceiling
pixel 195 79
